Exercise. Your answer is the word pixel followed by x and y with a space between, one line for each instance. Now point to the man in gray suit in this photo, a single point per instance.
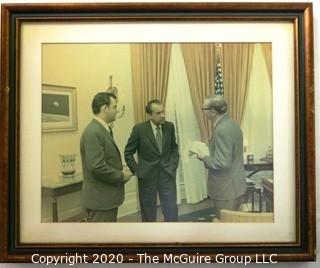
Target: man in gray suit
pixel 103 174
pixel 158 158
pixel 227 178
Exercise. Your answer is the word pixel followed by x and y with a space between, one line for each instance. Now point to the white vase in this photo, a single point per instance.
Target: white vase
pixel 67 164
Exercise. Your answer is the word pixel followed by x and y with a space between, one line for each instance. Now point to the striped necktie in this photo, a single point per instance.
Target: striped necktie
pixel 159 138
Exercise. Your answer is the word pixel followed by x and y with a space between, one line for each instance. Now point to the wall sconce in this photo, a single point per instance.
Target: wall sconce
pixel 114 90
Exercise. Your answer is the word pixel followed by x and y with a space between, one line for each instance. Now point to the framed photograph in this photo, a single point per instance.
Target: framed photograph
pixel 258 55
pixel 59 110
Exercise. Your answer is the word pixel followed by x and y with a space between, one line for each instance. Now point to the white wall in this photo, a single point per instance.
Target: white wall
pixel 317 85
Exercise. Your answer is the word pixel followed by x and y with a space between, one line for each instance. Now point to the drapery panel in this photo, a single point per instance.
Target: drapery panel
pixel 236 60
pixel 200 61
pixel 267 54
pixel 150 70
pixel 257 120
pixel 191 174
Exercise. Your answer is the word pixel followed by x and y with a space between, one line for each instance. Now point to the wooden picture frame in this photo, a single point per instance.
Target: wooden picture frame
pixel 11 157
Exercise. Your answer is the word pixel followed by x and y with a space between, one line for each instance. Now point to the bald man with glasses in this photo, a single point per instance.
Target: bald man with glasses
pixel 227 179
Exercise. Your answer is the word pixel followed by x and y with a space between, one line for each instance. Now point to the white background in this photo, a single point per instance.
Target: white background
pixel 317 79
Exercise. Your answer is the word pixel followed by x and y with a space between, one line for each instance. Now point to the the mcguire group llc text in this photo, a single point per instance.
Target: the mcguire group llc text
pixel 77 258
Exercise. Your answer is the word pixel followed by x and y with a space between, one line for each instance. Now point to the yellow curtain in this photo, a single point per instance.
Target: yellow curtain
pixel 267 54
pixel 150 71
pixel 236 65
pixel 200 60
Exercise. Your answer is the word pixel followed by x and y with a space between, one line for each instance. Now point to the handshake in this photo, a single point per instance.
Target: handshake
pixel 127 174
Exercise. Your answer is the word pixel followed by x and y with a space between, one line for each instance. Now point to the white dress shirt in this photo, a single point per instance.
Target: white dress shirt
pixel 103 123
pixel 154 128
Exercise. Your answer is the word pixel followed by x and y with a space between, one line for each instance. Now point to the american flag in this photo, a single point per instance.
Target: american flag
pixel 218 81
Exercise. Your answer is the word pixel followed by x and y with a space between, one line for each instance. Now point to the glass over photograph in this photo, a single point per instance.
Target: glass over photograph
pixel 157 132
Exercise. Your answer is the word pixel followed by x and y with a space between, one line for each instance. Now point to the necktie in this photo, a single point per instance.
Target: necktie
pixel 111 132
pixel 159 138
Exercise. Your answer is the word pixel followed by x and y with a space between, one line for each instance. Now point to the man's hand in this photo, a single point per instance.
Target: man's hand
pixel 200 156
pixel 126 174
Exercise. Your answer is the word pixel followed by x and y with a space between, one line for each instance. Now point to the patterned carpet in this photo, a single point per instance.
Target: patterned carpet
pixel 204 215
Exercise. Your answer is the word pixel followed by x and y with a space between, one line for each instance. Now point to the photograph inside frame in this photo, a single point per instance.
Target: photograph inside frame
pixel 157 132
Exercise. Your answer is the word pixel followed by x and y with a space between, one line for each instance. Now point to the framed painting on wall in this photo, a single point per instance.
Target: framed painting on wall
pixel 59 111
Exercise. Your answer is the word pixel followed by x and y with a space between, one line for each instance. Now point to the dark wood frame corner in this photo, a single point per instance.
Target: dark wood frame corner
pixel 300 14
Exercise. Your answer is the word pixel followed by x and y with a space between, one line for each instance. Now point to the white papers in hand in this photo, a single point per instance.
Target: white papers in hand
pixel 198 147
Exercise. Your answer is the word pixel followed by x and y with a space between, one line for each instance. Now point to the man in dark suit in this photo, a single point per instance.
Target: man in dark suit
pixel 158 159
pixel 103 174
pixel 227 178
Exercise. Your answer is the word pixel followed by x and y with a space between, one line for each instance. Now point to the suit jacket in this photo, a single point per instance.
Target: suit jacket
pixel 103 186
pixel 226 178
pixel 150 161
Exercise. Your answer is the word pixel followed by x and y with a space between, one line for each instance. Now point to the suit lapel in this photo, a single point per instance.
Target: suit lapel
pixel 113 141
pixel 108 135
pixel 165 134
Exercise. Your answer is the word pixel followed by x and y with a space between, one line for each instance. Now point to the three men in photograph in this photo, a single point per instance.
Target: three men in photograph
pixel 227 178
pixel 154 141
pixel 103 173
